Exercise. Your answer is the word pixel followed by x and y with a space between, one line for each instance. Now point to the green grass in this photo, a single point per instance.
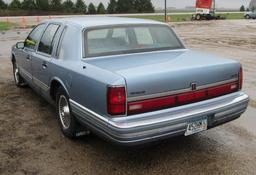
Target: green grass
pixel 182 17
pixel 174 18
pixel 6 26
pixel 233 15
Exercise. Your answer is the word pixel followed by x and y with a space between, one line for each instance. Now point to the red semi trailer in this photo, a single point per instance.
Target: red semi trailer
pixel 205 10
pixel 204 4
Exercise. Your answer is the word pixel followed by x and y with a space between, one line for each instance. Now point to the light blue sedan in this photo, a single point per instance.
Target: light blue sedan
pixel 130 81
pixel 250 15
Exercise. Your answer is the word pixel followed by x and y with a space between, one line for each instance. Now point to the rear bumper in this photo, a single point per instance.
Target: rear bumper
pixel 148 127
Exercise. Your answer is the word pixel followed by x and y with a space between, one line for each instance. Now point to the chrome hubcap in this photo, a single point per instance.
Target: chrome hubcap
pixel 16 74
pixel 64 112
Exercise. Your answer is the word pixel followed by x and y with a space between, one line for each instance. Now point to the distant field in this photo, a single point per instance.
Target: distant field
pixel 5 26
pixel 174 18
pixel 187 17
pixel 17 21
pixel 233 15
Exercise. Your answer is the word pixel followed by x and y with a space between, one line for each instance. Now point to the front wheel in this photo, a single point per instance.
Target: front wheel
pixel 247 17
pixel 18 79
pixel 198 17
pixel 68 123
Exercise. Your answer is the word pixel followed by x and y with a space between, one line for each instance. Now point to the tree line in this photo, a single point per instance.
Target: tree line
pixel 79 6
pixel 251 8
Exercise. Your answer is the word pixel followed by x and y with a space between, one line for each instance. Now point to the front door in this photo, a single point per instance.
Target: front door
pixel 27 53
pixel 42 58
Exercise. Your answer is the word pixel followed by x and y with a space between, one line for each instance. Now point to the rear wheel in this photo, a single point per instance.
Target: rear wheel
pixel 18 79
pixel 68 123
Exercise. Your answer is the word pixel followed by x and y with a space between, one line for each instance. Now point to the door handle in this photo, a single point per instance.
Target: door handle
pixel 44 65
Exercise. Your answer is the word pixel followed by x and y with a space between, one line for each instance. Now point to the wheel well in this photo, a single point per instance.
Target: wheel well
pixel 13 59
pixel 53 89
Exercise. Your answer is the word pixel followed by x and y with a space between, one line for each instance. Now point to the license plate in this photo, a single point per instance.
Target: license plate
pixel 196 127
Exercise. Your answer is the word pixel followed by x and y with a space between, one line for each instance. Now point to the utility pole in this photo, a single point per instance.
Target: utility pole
pixel 214 6
pixel 165 10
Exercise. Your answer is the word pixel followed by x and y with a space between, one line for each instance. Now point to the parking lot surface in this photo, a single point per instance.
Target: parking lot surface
pixel 31 142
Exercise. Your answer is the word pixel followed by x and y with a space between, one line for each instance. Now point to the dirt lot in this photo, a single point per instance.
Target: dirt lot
pixel 31 143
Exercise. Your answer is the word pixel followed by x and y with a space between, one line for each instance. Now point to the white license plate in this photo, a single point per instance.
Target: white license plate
pixel 196 127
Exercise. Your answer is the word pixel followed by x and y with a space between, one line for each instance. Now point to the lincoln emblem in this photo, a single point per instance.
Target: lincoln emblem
pixel 193 86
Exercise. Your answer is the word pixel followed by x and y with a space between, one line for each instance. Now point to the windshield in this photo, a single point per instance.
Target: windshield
pixel 130 39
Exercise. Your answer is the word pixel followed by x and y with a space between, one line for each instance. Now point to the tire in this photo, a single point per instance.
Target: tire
pixel 68 123
pixel 198 17
pixel 247 17
pixel 18 79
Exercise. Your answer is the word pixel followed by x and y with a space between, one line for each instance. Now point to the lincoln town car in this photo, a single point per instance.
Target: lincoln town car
pixel 130 81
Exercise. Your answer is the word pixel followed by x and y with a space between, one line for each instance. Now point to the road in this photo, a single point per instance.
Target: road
pixel 31 143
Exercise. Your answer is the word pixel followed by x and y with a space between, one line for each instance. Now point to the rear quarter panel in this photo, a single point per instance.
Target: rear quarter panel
pixel 85 83
pixel 89 87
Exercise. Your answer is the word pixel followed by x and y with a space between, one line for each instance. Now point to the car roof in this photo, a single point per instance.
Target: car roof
pixel 94 21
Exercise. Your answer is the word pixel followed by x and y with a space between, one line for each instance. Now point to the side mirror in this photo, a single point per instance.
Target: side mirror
pixel 20 45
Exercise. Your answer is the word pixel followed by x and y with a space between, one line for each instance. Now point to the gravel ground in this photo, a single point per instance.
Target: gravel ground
pixel 31 143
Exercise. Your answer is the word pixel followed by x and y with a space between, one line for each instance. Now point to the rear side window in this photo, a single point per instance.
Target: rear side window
pixel 34 37
pixel 46 43
pixel 60 42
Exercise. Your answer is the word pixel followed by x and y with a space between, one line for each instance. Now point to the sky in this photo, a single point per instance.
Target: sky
pixel 184 3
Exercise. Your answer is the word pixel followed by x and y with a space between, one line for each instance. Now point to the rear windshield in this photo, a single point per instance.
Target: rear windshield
pixel 129 39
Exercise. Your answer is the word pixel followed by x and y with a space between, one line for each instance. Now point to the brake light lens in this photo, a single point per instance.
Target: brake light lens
pixel 241 78
pixel 116 100
pixel 222 90
pixel 181 99
pixel 190 97
pixel 148 105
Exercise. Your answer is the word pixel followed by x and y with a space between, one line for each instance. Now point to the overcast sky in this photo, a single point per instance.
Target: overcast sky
pixel 184 3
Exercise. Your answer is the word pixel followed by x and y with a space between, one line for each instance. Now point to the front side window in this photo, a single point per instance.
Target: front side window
pixel 34 37
pixel 46 43
pixel 129 39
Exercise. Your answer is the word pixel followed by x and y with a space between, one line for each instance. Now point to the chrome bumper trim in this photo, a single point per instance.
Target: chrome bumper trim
pixel 88 111
pixel 176 113
pixel 146 127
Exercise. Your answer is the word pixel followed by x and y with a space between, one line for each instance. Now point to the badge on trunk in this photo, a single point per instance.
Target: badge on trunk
pixel 193 86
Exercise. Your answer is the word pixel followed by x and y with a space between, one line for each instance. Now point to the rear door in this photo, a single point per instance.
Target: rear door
pixel 43 56
pixel 27 53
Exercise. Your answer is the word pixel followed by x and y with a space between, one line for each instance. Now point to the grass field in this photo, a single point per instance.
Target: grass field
pixel 182 17
pixel 233 15
pixel 174 18
pixel 6 26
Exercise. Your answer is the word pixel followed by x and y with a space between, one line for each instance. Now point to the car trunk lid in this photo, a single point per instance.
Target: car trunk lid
pixel 153 80
pixel 153 73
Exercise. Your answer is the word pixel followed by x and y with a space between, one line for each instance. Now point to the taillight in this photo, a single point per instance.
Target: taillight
pixel 181 99
pixel 241 78
pixel 116 100
pixel 151 104
pixel 190 97
pixel 222 90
